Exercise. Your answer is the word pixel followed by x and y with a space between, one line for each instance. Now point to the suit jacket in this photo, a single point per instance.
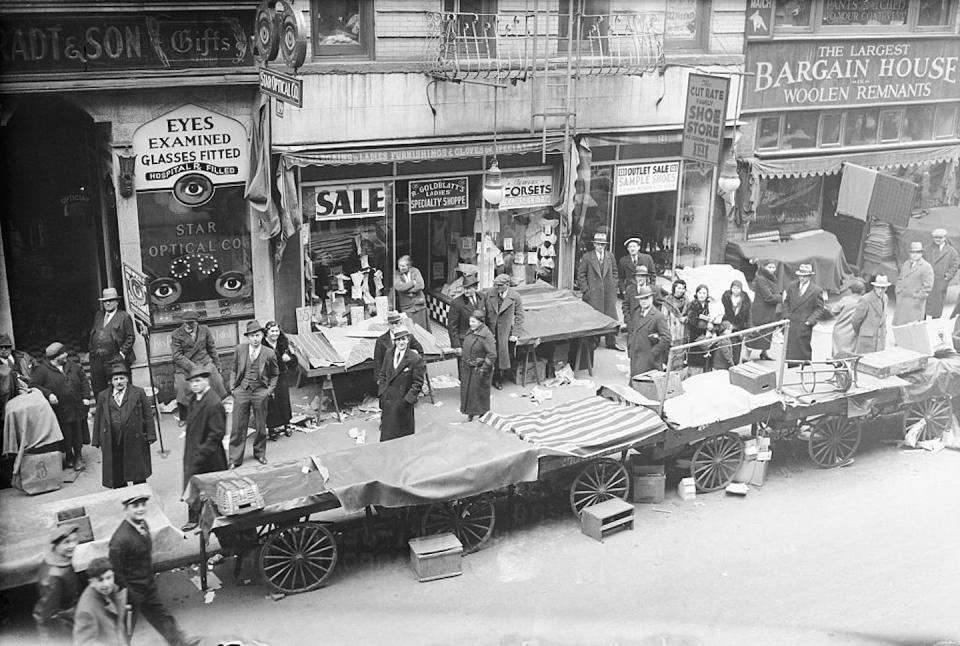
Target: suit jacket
pixel 399 387
pixel 131 554
pixel 627 269
pixel 458 317
pixel 99 623
pixel 135 432
pixel 504 318
pixel 869 322
pixel 269 370
pixel 203 442
pixel 648 341
pixel 913 288
pixel 120 334
pixel 599 283
pixel 189 352
pixel 70 387
pixel 384 347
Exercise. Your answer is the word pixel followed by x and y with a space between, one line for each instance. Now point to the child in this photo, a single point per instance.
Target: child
pixel 102 613
pixel 722 350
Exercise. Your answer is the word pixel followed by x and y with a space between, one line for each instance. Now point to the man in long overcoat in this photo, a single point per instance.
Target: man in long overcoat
pixel 505 320
pixel 648 335
pixel 803 305
pixel 870 318
pixel 192 346
pixel 597 278
pixel 384 343
pixel 458 316
pixel 399 384
pixel 203 442
pixel 65 385
pixel 124 429
pixel 945 261
pixel 844 335
pixel 913 287
pixel 111 339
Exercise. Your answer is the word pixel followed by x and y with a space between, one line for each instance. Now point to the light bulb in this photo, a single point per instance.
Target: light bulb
pixel 493 185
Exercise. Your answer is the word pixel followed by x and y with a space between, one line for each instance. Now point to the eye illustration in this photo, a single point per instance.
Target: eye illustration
pixel 164 291
pixel 233 283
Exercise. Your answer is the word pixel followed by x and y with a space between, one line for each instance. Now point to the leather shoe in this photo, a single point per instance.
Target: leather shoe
pixel 262 460
pixel 497 385
pixel 189 527
pixel 233 466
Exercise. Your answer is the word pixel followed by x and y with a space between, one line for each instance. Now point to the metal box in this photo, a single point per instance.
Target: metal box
pixel 754 378
pixel 597 521
pixel 891 362
pixel 238 496
pixel 435 557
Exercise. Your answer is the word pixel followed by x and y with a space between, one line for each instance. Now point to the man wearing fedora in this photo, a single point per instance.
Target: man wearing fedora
pixel 597 278
pixel 399 383
pixel 803 305
pixel 648 335
pixel 123 429
pixel 945 261
pixel 458 316
pixel 870 318
pixel 192 346
pixel 505 320
pixel 64 384
pixel 383 346
pixel 255 375
pixel 634 258
pixel 913 287
pixel 111 339
pixel 58 587
pixel 203 442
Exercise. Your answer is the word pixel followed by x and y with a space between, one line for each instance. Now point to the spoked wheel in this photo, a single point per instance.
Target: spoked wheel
pixel 715 461
pixel 937 413
pixel 298 558
pixel 833 441
pixel 471 521
pixel 598 481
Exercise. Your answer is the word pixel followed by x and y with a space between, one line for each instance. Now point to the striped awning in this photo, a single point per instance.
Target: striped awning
pixel 585 428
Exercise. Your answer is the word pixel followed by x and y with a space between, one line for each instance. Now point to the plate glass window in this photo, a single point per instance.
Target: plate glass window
pixel 918 123
pixel 830 129
pixel 860 128
pixel 933 13
pixel 943 125
pixel 800 130
pixel 890 125
pixel 793 13
pixel 768 134
pixel 342 28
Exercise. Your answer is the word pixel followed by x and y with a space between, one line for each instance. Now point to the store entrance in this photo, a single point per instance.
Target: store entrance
pixel 52 217
pixel 649 217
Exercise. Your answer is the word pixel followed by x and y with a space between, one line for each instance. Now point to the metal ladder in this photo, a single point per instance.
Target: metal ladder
pixel 555 70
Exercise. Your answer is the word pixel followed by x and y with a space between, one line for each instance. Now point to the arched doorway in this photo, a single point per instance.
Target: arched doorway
pixel 53 163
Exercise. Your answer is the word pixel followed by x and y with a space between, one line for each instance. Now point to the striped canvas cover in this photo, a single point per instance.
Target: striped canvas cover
pixel 585 428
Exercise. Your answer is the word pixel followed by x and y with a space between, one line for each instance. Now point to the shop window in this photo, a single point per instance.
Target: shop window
pixel 768 133
pixel 788 205
pixel 933 13
pixel 830 128
pixel 943 125
pixel 695 221
pixel 342 28
pixel 598 211
pixel 860 127
pixel 918 123
pixel 793 13
pixel 800 130
pixel 890 125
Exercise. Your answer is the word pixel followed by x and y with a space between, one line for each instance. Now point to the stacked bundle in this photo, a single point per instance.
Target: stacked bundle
pixel 879 245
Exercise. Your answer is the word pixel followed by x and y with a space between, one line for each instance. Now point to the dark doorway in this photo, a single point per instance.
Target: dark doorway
pixel 649 217
pixel 50 180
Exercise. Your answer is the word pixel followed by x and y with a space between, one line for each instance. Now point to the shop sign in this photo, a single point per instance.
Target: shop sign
pixel 527 191
pixel 704 117
pixel 190 141
pixel 136 289
pixel 647 178
pixel 281 86
pixel 820 74
pixel 759 19
pixel 447 194
pixel 351 200
pixel 866 12
pixel 98 42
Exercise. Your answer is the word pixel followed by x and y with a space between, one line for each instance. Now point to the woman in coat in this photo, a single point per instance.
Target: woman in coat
pixel 408 285
pixel 869 319
pixel 700 320
pixel 736 310
pixel 278 408
pixel 844 337
pixel 767 304
pixel 479 354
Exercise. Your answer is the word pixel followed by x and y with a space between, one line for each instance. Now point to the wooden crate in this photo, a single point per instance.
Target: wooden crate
pixel 891 362
pixel 238 496
pixel 647 482
pixel 604 518
pixel 925 337
pixel 754 378
pixel 435 557
pixel 651 384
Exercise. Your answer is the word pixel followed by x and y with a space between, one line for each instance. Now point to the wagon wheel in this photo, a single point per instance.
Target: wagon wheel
pixel 715 461
pixel 598 481
pixel 833 440
pixel 471 521
pixel 298 558
pixel 937 413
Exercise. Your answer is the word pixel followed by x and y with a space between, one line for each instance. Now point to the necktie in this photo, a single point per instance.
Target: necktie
pixel 396 359
pixel 107 319
pixel 600 257
pixel 118 397
pixel 142 528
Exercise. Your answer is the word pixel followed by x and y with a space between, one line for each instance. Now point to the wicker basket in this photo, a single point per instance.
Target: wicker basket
pixel 238 496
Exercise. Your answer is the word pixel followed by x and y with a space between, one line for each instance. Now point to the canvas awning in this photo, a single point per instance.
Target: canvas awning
pixel 833 164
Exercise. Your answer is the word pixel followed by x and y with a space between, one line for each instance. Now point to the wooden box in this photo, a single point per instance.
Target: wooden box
pixel 754 378
pixel 597 521
pixel 925 337
pixel 891 362
pixel 435 557
pixel 238 496
pixel 77 516
pixel 647 482
pixel 652 384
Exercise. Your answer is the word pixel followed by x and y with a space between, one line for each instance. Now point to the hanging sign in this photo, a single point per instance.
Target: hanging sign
pixel 281 86
pixel 759 19
pixel 704 117
pixel 447 194
pixel 350 201
pixel 136 289
pixel 527 191
pixel 648 178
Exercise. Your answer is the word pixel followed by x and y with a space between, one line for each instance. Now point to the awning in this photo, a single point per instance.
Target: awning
pixel 833 164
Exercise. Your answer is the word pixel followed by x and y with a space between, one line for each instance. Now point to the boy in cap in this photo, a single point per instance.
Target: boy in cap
pixel 505 320
pixel 803 305
pixel 913 287
pixel 102 612
pixel 58 587
pixel 255 375
pixel 65 385
pixel 598 280
pixel 123 429
pixel 945 260
pixel 111 339
pixel 203 441
pixel 131 553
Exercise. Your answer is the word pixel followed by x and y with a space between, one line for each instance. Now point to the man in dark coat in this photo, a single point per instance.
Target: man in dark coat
pixel 123 429
pixel 946 262
pixel 803 305
pixel 505 320
pixel 58 588
pixel 767 303
pixel 111 339
pixel 101 616
pixel 131 553
pixel 203 442
pixel 384 343
pixel 20 363
pixel 629 263
pixel 648 335
pixel 458 316
pixel 255 374
pixel 64 384
pixel 192 346
pixel 597 278
pixel 399 384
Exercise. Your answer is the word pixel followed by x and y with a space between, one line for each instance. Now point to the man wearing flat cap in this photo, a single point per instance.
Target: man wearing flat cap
pixel 505 320
pixel 64 384
pixel 913 287
pixel 123 428
pixel 255 375
pixel 945 260
pixel 111 339
pixel 192 346
pixel 58 588
pixel 203 442
pixel 633 259
pixel 598 280
pixel 804 305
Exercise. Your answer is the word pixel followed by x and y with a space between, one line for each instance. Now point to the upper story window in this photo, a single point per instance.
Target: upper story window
pixel 342 28
pixel 685 24
pixel 829 16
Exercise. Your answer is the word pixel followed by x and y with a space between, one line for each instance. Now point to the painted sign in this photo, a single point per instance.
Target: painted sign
pixel 190 141
pixel 281 86
pixel 527 191
pixel 647 178
pixel 136 289
pixel 819 74
pixel 350 201
pixel 864 12
pixel 447 194
pixel 98 42
pixel 704 117
pixel 759 19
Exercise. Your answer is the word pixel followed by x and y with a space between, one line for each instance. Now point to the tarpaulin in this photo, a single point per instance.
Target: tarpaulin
pixel 821 249
pixel 940 377
pixel 551 314
pixel 29 422
pixel 833 164
pixel 351 345
pixel 856 187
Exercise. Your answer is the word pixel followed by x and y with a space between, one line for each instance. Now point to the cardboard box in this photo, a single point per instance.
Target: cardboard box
pixel 753 377
pixel 752 472
pixel 925 337
pixel 435 557
pixel 652 384
pixel 607 517
pixel 687 489
pixel 891 362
